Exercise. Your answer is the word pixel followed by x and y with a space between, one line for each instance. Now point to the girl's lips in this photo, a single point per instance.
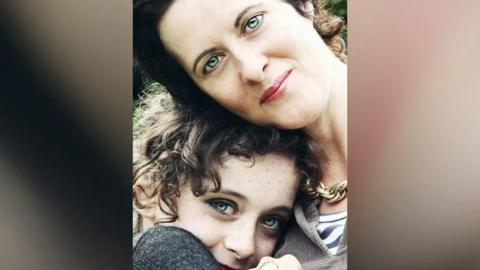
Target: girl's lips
pixel 224 267
pixel 278 87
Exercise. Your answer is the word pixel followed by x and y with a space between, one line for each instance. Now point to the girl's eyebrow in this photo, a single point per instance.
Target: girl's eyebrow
pixel 232 193
pixel 287 210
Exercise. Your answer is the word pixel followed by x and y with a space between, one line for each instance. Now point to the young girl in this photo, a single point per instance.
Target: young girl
pixel 232 186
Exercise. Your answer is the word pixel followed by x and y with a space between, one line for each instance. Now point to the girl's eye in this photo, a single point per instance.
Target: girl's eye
pixel 253 23
pixel 223 207
pixel 212 63
pixel 272 222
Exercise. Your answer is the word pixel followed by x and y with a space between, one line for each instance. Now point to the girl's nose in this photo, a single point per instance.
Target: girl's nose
pixel 240 240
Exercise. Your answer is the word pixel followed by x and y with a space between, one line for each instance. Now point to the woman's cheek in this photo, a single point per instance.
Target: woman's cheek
pixel 233 97
pixel 223 88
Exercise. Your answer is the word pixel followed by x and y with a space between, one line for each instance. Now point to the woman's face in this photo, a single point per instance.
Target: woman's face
pixel 258 58
pixel 241 223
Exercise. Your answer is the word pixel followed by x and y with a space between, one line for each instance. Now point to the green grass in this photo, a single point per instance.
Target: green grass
pixel 139 106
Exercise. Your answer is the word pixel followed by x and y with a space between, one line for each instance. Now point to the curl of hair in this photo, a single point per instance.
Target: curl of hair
pixel 178 148
pixel 328 26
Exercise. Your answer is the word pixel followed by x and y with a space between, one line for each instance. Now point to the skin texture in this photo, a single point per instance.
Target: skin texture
pixel 241 223
pixel 270 39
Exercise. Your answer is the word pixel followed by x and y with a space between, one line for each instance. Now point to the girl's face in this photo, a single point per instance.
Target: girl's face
pixel 241 223
pixel 258 58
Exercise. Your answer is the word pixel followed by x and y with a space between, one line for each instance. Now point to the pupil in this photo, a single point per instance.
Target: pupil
pixel 212 62
pixel 222 206
pixel 253 22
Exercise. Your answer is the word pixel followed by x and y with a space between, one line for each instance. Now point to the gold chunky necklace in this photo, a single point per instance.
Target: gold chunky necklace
pixel 331 194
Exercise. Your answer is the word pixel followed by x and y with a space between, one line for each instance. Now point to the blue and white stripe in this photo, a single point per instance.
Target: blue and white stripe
pixel 330 228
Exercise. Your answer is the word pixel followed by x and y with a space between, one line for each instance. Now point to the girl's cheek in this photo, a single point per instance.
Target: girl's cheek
pixel 265 246
pixel 206 229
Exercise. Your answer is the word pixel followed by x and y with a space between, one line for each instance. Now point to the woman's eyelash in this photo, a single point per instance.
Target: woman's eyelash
pixel 212 63
pixel 252 24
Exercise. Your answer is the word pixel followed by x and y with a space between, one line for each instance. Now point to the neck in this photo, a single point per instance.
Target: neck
pixel 330 129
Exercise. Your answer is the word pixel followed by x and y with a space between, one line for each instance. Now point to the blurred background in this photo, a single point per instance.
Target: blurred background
pixel 65 140
pixel 66 130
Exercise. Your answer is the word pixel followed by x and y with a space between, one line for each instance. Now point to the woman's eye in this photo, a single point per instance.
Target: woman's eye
pixel 272 222
pixel 212 63
pixel 253 23
pixel 223 207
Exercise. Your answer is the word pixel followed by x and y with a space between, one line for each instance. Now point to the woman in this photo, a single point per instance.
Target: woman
pixel 273 63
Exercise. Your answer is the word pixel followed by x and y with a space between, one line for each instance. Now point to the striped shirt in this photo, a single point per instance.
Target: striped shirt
pixel 330 228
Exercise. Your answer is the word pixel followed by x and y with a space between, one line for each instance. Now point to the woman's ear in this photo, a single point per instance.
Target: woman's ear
pixel 308 8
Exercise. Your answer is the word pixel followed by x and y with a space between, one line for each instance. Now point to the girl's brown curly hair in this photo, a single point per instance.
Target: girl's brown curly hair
pixel 177 147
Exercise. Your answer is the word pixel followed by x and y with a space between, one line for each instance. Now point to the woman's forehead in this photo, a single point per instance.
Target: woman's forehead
pixel 190 26
pixel 191 8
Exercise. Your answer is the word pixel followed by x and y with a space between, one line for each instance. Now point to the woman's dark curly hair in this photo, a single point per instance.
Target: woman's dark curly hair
pixel 162 67
pixel 178 147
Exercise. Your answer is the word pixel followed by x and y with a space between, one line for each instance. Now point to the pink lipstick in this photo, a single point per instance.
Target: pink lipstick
pixel 276 90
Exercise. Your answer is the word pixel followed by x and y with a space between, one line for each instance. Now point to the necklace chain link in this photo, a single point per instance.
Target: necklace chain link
pixel 331 194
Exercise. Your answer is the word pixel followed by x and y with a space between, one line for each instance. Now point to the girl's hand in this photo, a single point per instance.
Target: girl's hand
pixel 286 262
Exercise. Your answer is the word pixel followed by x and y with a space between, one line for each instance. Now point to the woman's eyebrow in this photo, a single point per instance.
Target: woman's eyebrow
pixel 242 13
pixel 210 50
pixel 200 56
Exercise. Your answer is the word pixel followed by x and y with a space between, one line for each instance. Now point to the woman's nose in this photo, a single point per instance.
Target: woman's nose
pixel 251 65
pixel 240 240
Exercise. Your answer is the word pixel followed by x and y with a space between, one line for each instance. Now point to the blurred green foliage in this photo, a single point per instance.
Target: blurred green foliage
pixel 152 88
pixel 339 8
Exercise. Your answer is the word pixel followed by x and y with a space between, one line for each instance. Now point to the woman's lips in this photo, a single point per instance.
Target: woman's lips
pixel 277 89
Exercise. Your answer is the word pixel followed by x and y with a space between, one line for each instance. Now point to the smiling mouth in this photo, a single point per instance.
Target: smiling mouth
pixel 277 89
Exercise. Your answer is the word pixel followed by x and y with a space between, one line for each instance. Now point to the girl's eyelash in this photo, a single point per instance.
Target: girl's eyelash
pixel 223 206
pixel 280 222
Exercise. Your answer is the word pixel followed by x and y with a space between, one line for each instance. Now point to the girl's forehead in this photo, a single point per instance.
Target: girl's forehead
pixel 271 173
